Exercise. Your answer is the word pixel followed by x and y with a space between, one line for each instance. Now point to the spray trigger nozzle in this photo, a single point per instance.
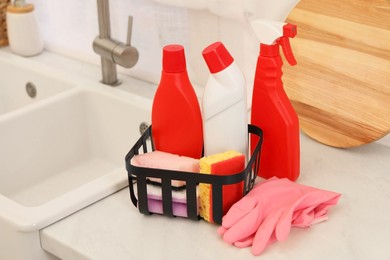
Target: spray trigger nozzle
pixel 289 31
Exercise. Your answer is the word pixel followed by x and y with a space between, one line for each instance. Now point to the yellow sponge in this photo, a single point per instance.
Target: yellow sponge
pixel 226 163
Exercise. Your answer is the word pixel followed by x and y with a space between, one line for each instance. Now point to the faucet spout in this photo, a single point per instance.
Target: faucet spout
pixel 112 52
pixel 104 18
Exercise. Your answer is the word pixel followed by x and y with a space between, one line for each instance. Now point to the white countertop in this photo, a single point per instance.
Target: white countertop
pixel 358 227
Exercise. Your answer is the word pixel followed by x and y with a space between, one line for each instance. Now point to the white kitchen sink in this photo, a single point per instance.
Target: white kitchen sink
pixel 64 153
pixel 60 151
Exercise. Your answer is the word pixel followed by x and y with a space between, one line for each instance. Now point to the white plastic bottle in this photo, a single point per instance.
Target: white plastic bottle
pixel 224 107
pixel 23 34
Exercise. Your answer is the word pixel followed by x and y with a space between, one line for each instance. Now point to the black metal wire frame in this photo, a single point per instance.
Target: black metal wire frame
pixel 139 176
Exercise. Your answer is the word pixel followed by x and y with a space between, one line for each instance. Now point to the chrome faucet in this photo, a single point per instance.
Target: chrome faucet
pixel 112 52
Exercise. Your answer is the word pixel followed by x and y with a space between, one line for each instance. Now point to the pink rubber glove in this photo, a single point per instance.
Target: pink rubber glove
pixel 310 209
pixel 244 217
pixel 267 213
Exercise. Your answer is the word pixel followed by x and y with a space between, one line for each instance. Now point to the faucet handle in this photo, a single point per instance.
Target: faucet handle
pixel 129 29
pixel 125 54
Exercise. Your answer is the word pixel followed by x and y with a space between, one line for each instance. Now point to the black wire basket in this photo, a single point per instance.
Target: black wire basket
pixel 139 176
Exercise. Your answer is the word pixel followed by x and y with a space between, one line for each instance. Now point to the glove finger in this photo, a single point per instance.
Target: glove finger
pixel 238 211
pixel 221 230
pixel 314 207
pixel 265 232
pixel 283 227
pixel 322 209
pixel 249 241
pixel 317 220
pixel 272 239
pixel 245 227
pixel 245 242
pixel 311 216
pixel 307 205
pixel 303 218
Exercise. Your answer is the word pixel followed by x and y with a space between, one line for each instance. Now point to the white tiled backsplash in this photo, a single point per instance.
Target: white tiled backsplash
pixel 69 27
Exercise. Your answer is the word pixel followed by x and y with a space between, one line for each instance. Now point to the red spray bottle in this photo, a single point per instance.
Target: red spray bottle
pixel 271 109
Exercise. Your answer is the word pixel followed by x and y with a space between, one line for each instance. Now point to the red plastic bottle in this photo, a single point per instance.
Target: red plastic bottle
pixel 176 117
pixel 272 111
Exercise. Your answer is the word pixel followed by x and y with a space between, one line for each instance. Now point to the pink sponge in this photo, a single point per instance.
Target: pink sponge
pixel 166 161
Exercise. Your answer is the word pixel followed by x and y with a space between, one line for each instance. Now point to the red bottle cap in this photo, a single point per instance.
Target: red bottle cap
pixel 217 57
pixel 174 60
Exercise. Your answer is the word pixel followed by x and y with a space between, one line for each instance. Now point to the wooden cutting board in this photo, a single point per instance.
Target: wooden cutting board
pixel 341 85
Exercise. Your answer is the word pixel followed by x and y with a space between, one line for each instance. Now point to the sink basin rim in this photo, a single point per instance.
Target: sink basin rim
pixel 27 219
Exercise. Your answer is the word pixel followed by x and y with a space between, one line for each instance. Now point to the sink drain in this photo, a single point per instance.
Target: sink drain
pixel 31 89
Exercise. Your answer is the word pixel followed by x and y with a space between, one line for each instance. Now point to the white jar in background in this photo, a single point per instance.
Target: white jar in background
pixel 23 34
pixel 224 106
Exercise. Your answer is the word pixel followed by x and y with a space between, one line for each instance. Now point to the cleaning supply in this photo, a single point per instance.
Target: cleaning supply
pixel 176 117
pixel 226 163
pixel 224 104
pixel 167 161
pixel 23 34
pixel 267 213
pixel 179 200
pixel 271 109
